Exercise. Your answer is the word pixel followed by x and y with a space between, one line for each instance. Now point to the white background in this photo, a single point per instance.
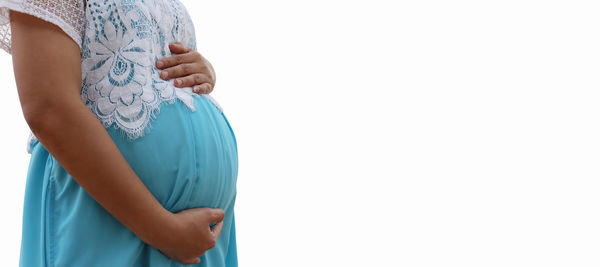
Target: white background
pixel 394 133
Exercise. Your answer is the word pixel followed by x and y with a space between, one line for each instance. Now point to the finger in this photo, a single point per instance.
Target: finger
pixel 205 88
pixel 191 261
pixel 179 48
pixel 216 229
pixel 191 80
pixel 181 70
pixel 174 60
pixel 216 215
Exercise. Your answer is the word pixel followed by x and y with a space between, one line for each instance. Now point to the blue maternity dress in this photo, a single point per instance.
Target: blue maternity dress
pixel 180 144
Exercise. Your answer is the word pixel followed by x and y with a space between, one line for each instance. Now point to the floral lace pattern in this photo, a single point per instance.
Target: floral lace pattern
pixel 123 40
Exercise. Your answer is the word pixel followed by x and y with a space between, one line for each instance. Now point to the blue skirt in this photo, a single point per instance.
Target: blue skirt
pixel 187 160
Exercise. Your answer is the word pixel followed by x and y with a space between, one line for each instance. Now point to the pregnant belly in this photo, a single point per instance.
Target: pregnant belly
pixel 187 159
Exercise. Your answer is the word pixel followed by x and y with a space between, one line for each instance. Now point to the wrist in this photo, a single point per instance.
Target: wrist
pixel 159 229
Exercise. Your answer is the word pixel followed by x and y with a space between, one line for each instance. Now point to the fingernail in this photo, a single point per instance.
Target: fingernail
pixel 164 74
pixel 178 82
pixel 160 64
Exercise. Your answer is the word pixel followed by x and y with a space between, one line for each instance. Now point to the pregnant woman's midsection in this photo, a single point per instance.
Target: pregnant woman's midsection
pixel 187 159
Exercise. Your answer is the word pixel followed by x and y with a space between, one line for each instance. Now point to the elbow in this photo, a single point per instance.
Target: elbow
pixel 37 117
pixel 49 108
pixel 43 117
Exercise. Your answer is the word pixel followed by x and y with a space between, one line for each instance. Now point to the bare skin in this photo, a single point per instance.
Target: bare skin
pixel 52 107
pixel 189 67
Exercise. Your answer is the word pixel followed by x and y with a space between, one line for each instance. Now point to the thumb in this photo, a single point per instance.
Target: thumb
pixel 216 230
pixel 217 215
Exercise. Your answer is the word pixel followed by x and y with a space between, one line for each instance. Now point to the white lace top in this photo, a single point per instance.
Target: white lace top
pixel 120 41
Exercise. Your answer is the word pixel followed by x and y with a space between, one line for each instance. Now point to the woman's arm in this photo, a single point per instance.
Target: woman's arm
pixel 47 67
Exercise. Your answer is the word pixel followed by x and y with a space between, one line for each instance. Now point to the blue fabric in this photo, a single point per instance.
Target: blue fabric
pixel 188 160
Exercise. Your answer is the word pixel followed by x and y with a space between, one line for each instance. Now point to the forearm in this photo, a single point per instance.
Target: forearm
pixel 79 142
pixel 48 76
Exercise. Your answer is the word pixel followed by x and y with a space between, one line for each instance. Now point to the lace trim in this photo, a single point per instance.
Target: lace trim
pixel 32 137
